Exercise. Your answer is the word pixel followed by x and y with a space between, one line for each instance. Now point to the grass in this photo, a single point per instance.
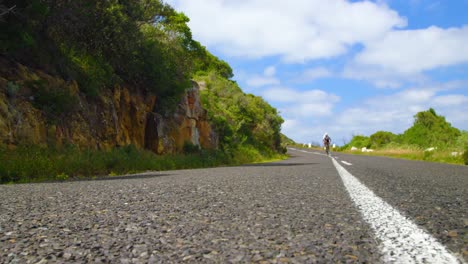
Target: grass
pixel 412 153
pixel 38 164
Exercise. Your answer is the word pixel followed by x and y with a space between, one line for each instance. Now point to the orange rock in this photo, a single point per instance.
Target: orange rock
pixel 117 117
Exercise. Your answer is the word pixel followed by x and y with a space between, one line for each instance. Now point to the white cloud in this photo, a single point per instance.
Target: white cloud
pixel 296 30
pixel 396 112
pixel 451 100
pixel 409 52
pixel 299 131
pixel 304 110
pixel 287 95
pixel 268 78
pixel 416 95
pixel 301 104
pixel 312 74
pixel 403 56
pixel 374 46
pixel 269 71
pixel 379 77
pixel 299 31
pixel 258 81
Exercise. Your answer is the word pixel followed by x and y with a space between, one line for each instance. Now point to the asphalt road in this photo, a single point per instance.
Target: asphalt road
pixel 433 195
pixel 294 211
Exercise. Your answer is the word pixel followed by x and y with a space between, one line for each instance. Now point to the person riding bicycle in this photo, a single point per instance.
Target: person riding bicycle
pixel 326 143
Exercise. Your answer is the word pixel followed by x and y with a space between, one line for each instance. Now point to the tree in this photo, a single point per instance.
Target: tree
pixel 381 138
pixel 239 118
pixel 359 141
pixel 145 43
pixel 430 129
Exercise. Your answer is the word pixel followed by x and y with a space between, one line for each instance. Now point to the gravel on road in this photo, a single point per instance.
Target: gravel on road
pixel 432 195
pixel 294 211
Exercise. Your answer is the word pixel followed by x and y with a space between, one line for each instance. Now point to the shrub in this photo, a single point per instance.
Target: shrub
pixel 190 148
pixel 12 89
pixel 62 177
pixel 56 102
pixel 381 138
pixel 429 130
pixel 428 155
pixel 359 141
pixel 36 163
pixel 93 73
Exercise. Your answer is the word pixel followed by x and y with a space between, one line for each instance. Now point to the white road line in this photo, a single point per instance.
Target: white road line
pixel 347 163
pixel 401 240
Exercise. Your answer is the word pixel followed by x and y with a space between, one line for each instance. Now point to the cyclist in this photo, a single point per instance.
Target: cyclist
pixel 326 143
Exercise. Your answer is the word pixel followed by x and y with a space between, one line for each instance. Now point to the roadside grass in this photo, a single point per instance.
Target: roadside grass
pixel 38 164
pixel 414 153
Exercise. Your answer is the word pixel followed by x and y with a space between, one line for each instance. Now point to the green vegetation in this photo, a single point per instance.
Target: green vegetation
pixel 241 120
pixel 36 164
pixel 285 141
pixel 465 156
pixel 12 89
pixel 428 131
pixel 55 102
pixel 145 45
pixel 381 138
pixel 359 141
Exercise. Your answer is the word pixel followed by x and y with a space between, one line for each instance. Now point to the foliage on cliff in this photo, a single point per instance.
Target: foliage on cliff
pixel 84 54
pixel 240 119
pixel 146 44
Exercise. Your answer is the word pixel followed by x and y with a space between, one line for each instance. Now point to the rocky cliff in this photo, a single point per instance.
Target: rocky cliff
pixel 38 108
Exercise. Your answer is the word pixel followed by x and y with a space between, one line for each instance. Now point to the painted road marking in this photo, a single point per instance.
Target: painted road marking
pixel 401 240
pixel 347 163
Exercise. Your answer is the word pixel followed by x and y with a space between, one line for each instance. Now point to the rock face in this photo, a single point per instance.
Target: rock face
pixel 117 117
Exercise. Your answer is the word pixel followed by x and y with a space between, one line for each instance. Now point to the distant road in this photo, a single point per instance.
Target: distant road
pixel 307 209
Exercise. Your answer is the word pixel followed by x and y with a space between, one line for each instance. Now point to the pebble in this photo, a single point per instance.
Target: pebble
pixel 67 255
pixel 277 214
pixel 453 233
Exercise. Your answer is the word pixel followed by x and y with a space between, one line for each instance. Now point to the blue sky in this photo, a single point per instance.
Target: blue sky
pixel 342 67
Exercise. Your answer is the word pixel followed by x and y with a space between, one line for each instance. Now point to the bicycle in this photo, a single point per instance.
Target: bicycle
pixel 327 149
pixel 326 143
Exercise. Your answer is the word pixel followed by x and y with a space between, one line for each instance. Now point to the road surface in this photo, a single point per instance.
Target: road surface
pixel 308 209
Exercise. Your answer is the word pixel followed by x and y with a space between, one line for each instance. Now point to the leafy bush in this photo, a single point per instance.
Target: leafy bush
pixel 462 140
pixel 190 148
pixel 430 130
pixel 428 155
pixel 147 44
pixel 239 118
pixel 359 141
pixel 93 73
pixel 12 89
pixel 381 138
pixel 56 102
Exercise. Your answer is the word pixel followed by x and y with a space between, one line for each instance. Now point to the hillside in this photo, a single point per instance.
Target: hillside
pixel 104 75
